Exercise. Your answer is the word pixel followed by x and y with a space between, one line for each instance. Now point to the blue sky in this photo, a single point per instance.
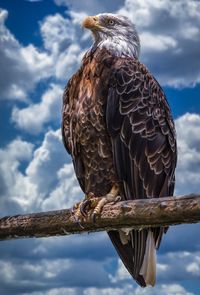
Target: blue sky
pixel 41 45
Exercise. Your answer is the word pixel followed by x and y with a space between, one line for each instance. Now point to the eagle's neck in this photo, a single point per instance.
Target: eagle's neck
pixel 118 45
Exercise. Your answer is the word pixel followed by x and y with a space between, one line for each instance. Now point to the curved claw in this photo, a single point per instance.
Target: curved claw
pixel 94 217
pixel 83 207
pixel 118 199
pixel 76 219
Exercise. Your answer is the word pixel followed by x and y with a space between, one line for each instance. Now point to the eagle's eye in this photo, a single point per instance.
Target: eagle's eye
pixel 111 22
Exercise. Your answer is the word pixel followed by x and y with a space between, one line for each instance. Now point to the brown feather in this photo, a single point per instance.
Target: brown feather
pixel 117 126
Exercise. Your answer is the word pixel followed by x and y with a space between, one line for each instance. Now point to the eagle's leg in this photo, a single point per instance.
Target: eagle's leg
pixel 80 209
pixel 112 196
pixel 93 205
pixel 96 204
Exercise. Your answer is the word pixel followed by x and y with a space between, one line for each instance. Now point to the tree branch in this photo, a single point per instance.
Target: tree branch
pixel 136 214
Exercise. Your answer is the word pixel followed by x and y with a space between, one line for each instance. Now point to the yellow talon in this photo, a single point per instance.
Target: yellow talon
pixel 93 205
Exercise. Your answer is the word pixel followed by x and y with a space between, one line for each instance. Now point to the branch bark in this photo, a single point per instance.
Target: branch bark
pixel 136 214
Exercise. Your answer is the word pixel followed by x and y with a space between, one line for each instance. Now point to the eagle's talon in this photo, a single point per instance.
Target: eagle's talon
pixel 118 199
pixel 78 222
pixel 76 217
pixel 92 205
pixel 94 216
pixel 83 207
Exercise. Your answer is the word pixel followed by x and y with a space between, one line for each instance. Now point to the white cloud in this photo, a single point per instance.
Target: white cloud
pixel 22 66
pixel 44 274
pixel 179 266
pixel 42 178
pixel 66 193
pixel 48 182
pixel 188 168
pixel 25 66
pixel 61 37
pixel 171 267
pixel 170 35
pixel 68 61
pixel 194 268
pixel 33 118
pixel 155 43
pixel 54 179
pixel 170 289
pixel 165 289
pixel 16 191
pixel 64 44
pixel 57 33
pixel 58 291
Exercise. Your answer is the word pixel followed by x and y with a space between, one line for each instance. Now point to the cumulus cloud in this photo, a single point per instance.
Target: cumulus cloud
pixel 57 274
pixel 178 266
pixel 53 175
pixel 170 35
pixel 48 182
pixel 173 267
pixel 188 168
pixel 25 66
pixel 33 117
pixel 174 46
pixel 169 289
pixel 57 33
pixel 165 289
pixel 61 38
pixel 22 66
pixel 68 61
pixel 181 263
pixel 46 274
pixel 15 190
pixel 35 178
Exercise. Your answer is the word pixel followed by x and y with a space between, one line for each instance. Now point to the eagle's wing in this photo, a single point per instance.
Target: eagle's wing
pixel 65 125
pixel 66 128
pixel 144 149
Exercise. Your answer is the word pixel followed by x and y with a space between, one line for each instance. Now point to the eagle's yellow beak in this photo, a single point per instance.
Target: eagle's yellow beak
pixel 91 22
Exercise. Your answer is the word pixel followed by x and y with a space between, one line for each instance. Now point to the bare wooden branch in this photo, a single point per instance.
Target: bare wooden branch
pixel 135 214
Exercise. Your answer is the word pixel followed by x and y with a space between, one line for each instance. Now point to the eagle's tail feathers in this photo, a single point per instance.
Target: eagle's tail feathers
pixel 137 251
pixel 148 269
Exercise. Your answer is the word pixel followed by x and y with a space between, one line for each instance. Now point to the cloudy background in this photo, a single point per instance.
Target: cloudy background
pixel 41 45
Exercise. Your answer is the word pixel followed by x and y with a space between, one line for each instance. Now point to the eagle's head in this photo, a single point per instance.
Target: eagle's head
pixel 115 33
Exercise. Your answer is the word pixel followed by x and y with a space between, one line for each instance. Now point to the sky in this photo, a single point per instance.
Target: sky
pixel 41 46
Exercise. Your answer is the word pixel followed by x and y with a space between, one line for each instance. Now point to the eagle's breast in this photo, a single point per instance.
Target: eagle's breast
pixel 88 123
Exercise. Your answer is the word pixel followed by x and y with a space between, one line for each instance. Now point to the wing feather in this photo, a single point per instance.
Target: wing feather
pixel 144 150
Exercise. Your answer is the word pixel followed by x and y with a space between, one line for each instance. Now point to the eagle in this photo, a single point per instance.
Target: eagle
pixel 118 128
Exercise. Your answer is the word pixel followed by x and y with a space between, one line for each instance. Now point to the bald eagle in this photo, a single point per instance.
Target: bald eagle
pixel 118 128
